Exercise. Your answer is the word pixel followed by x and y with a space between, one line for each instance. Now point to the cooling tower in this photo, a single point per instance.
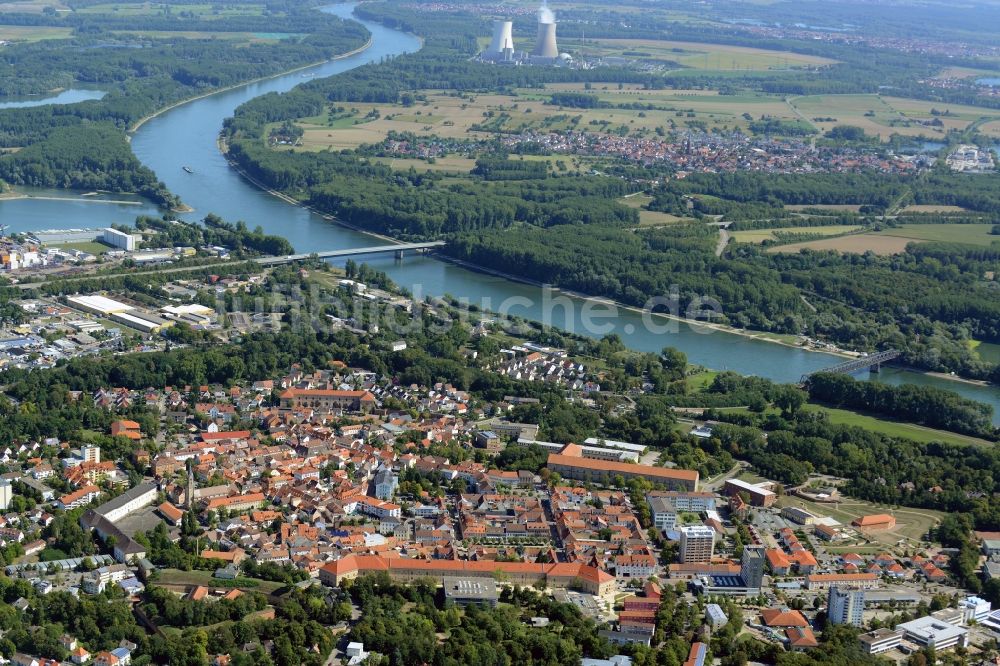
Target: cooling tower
pixel 545 47
pixel 503 38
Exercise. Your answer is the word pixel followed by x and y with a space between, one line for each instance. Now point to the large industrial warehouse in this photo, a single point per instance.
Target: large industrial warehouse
pixel 122 313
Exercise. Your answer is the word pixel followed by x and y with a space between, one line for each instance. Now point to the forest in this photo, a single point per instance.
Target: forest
pixel 569 230
pixel 84 145
pixel 926 405
pixel 213 231
pixel 101 622
pixel 918 302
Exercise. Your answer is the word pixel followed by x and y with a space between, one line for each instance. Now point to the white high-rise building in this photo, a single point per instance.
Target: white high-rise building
pixel 6 494
pixel 118 239
pixel 697 544
pixel 90 453
pixel 846 605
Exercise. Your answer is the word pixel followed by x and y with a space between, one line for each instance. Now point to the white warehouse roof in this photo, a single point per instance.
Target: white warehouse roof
pixel 99 304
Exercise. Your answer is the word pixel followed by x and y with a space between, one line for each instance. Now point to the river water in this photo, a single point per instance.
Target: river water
pixel 186 136
pixel 71 96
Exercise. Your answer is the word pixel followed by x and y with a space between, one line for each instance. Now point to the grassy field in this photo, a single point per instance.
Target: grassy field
pixel 911 524
pixel 683 106
pixel 30 6
pixel 93 247
pixel 854 244
pixel 442 164
pixel 25 33
pixel 836 208
pixel 897 429
pixel 649 218
pixel 237 37
pixel 974 234
pixel 914 208
pixel 204 11
pixel 178 577
pixel 966 73
pixel 884 116
pixel 701 380
pixel 991 128
pixel 698 55
pixel 452 117
pixel 894 241
pixel 986 351
pixel 757 236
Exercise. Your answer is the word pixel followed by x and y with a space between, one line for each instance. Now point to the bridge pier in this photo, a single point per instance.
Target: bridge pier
pixel 872 363
pixel 399 254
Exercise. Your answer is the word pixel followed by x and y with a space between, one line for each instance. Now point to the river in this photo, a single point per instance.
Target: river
pixel 186 136
pixel 71 96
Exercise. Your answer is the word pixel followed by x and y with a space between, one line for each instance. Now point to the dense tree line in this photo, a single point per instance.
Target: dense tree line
pixel 214 231
pixel 84 145
pixel 926 405
pixel 879 468
pixel 926 302
pixel 400 622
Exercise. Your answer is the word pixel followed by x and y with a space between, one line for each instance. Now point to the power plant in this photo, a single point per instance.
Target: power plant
pixel 545 46
pixel 502 44
pixel 545 51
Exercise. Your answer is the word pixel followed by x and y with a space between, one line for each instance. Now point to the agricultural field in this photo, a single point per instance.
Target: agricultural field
pixel 718 57
pixel 853 244
pixel 883 116
pixel 650 218
pixel 974 234
pixel 757 236
pixel 32 33
pixel 30 6
pixel 895 240
pixel 967 73
pixel 448 116
pixel 203 11
pixel 833 208
pixel 440 164
pixel 991 128
pixel 915 208
pixel 444 116
pixel 235 37
pixel 708 107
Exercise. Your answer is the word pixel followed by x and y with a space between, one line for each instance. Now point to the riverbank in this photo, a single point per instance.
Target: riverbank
pixel 760 336
pixel 223 147
pixel 142 121
pixel 954 378
pixel 85 198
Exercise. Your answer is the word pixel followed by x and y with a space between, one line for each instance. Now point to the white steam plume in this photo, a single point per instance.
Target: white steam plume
pixel 545 15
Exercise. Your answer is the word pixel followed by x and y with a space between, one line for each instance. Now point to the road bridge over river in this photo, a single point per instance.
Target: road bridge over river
pixel 871 362
pixel 397 248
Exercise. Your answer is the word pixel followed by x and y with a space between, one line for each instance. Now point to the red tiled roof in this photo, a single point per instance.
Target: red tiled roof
pixel 625 468
pixel 233 434
pixel 170 511
pixel 381 563
pixel 783 617
pixel 874 519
